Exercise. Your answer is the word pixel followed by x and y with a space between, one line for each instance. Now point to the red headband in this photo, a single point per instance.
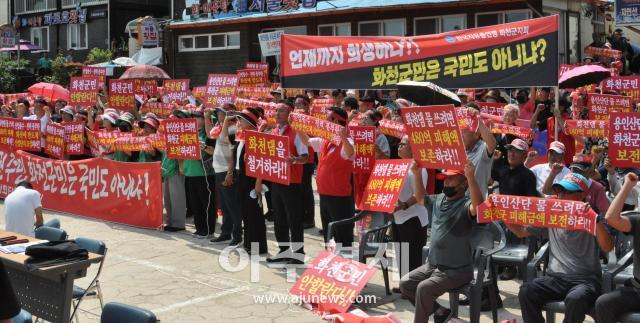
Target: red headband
pixel 334 115
pixel 250 115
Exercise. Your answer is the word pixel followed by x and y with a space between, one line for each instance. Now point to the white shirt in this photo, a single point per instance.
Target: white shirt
pixel 417 209
pixel 542 171
pixel 301 148
pixel 19 210
pixel 316 144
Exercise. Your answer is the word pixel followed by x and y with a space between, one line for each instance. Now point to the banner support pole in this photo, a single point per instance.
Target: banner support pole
pixel 557 117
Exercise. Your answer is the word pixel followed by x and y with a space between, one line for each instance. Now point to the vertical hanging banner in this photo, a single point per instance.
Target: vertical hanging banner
pixel 221 89
pixel 99 72
pixel 266 157
pixel 364 138
pixel 83 91
pixel 54 141
pixel 7 131
pixel 182 138
pixel 73 138
pixel 519 54
pixel 160 109
pixel 145 88
pixel 253 77
pixel 148 32
pixel 384 185
pixel 602 105
pixel 625 85
pixel 435 136
pixel 121 95
pixel 27 135
pixel 624 139
pixel 175 91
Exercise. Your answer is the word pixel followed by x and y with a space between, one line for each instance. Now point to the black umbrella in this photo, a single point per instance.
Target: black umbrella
pixel 427 93
pixel 583 75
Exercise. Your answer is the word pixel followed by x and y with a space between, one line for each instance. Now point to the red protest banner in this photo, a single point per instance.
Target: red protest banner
pixel 253 77
pixel 601 105
pixel 318 108
pixel 520 132
pixel 54 141
pixel 385 183
pixel 158 140
pixel 315 127
pixel 160 109
pixel 121 95
pixel 92 142
pixel 145 88
pixel 83 91
pixel 587 128
pixel 99 72
pixel 565 68
pixel 73 138
pixel 246 103
pixel 199 92
pixel 364 138
pixel 257 66
pixel 7 131
pixel 332 282
pixel 435 137
pixel 391 128
pixel 603 52
pixel 627 85
pixel 624 139
pixel 492 108
pixel 538 212
pixel 13 97
pixel 95 188
pixel 132 143
pixel 175 91
pixel 467 121
pixel 27 135
pixel 107 139
pixel 182 138
pixel 258 93
pixel 266 157
pixel 221 89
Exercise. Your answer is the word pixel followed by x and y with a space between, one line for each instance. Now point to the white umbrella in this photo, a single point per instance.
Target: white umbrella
pixel 125 61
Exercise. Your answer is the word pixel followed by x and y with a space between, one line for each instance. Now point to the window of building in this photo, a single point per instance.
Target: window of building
pixel 495 18
pixel 29 6
pixel 40 37
pixel 77 36
pixel 436 25
pixel 392 27
pixel 203 42
pixel 343 29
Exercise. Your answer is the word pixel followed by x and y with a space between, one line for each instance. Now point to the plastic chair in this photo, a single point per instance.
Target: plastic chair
pixel 50 234
pixel 372 240
pixel 518 254
pixel 53 223
pixel 22 317
pixel 119 313
pixel 93 290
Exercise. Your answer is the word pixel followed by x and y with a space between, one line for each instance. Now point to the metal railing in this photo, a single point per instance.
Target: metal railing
pixel 31 6
pixel 72 3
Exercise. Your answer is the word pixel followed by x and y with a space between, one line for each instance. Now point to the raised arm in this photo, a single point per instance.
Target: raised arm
pixel 474 188
pixel 548 183
pixel 613 217
pixel 347 147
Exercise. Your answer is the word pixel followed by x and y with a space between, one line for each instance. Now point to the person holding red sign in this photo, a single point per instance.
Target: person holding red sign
pixel 555 155
pixel 149 126
pixel 333 178
pixel 612 306
pixel 450 262
pixel 574 273
pixel 67 114
pixel 480 145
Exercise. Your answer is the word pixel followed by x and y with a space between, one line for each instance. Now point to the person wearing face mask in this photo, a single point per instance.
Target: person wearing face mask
pixel 450 262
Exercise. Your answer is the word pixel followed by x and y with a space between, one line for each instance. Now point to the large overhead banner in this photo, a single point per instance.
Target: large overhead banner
pixel 519 54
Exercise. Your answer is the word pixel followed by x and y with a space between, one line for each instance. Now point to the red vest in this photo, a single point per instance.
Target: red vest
pixel 296 169
pixel 334 173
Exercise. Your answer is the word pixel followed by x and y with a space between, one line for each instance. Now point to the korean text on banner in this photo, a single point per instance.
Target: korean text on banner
pixel 315 127
pixel 492 108
pixel 435 136
pixel 266 157
pixel 385 183
pixel 624 139
pixel 54 141
pixel 627 85
pixel 132 143
pixel 83 90
pixel 221 89
pixel 538 212
pixel 95 188
pixel 27 135
pixel 175 91
pixel 364 138
pixel 270 43
pixel 7 131
pixel 99 72
pixel 145 87
pixel 253 77
pixel 73 138
pixel 587 128
pixel 518 54
pixel 332 282
pixel 121 94
pixel 182 138
pixel 627 13
pixel 520 132
pixel 318 108
pixel 601 105
pixel 160 109
pixel 392 128
pixel 257 65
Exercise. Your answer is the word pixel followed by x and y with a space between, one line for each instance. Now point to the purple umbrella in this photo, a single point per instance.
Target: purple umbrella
pixel 24 44
pixel 583 75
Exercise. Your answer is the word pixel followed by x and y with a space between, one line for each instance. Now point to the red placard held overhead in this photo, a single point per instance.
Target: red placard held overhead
pixel 73 137
pixel 628 85
pixel 257 66
pixel 385 183
pixel 145 88
pixel 27 135
pixel 160 109
pixel 132 143
pixel 364 138
pixel 121 95
pixel 253 77
pixel 83 91
pixel 492 108
pixel 7 131
pixel 175 91
pixel 523 133
pixel 538 212
pixel 315 127
pixel 182 138
pixel 392 128
pixel 601 105
pixel 624 139
pixel 319 107
pixel 587 128
pixel 435 137
pixel 257 93
pixel 266 156
pixel 54 141
pixel 332 282
pixel 99 72
pixel 221 89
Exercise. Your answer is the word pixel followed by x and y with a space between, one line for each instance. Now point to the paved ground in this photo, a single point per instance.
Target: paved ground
pixel 181 280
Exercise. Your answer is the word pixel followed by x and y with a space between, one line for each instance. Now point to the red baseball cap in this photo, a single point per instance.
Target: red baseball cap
pixel 452 172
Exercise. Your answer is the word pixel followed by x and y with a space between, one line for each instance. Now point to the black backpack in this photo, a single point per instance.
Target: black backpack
pixel 54 253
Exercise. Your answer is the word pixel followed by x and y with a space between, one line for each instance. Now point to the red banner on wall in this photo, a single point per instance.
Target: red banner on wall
pixel 626 85
pixel 253 77
pixel 95 188
pixel 27 135
pixel 73 138
pixel 54 141
pixel 221 89
pixel 121 95
pixel 182 138
pixel 145 88
pixel 601 105
pixel 332 282
pixel 435 137
pixel 538 212
pixel 315 127
pixel 83 91
pixel 364 138
pixel 99 72
pixel 385 183
pixel 624 139
pixel 160 109
pixel 175 91
pixel 587 128
pixel 266 157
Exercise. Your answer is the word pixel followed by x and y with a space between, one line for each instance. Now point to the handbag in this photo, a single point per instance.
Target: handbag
pixel 53 253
